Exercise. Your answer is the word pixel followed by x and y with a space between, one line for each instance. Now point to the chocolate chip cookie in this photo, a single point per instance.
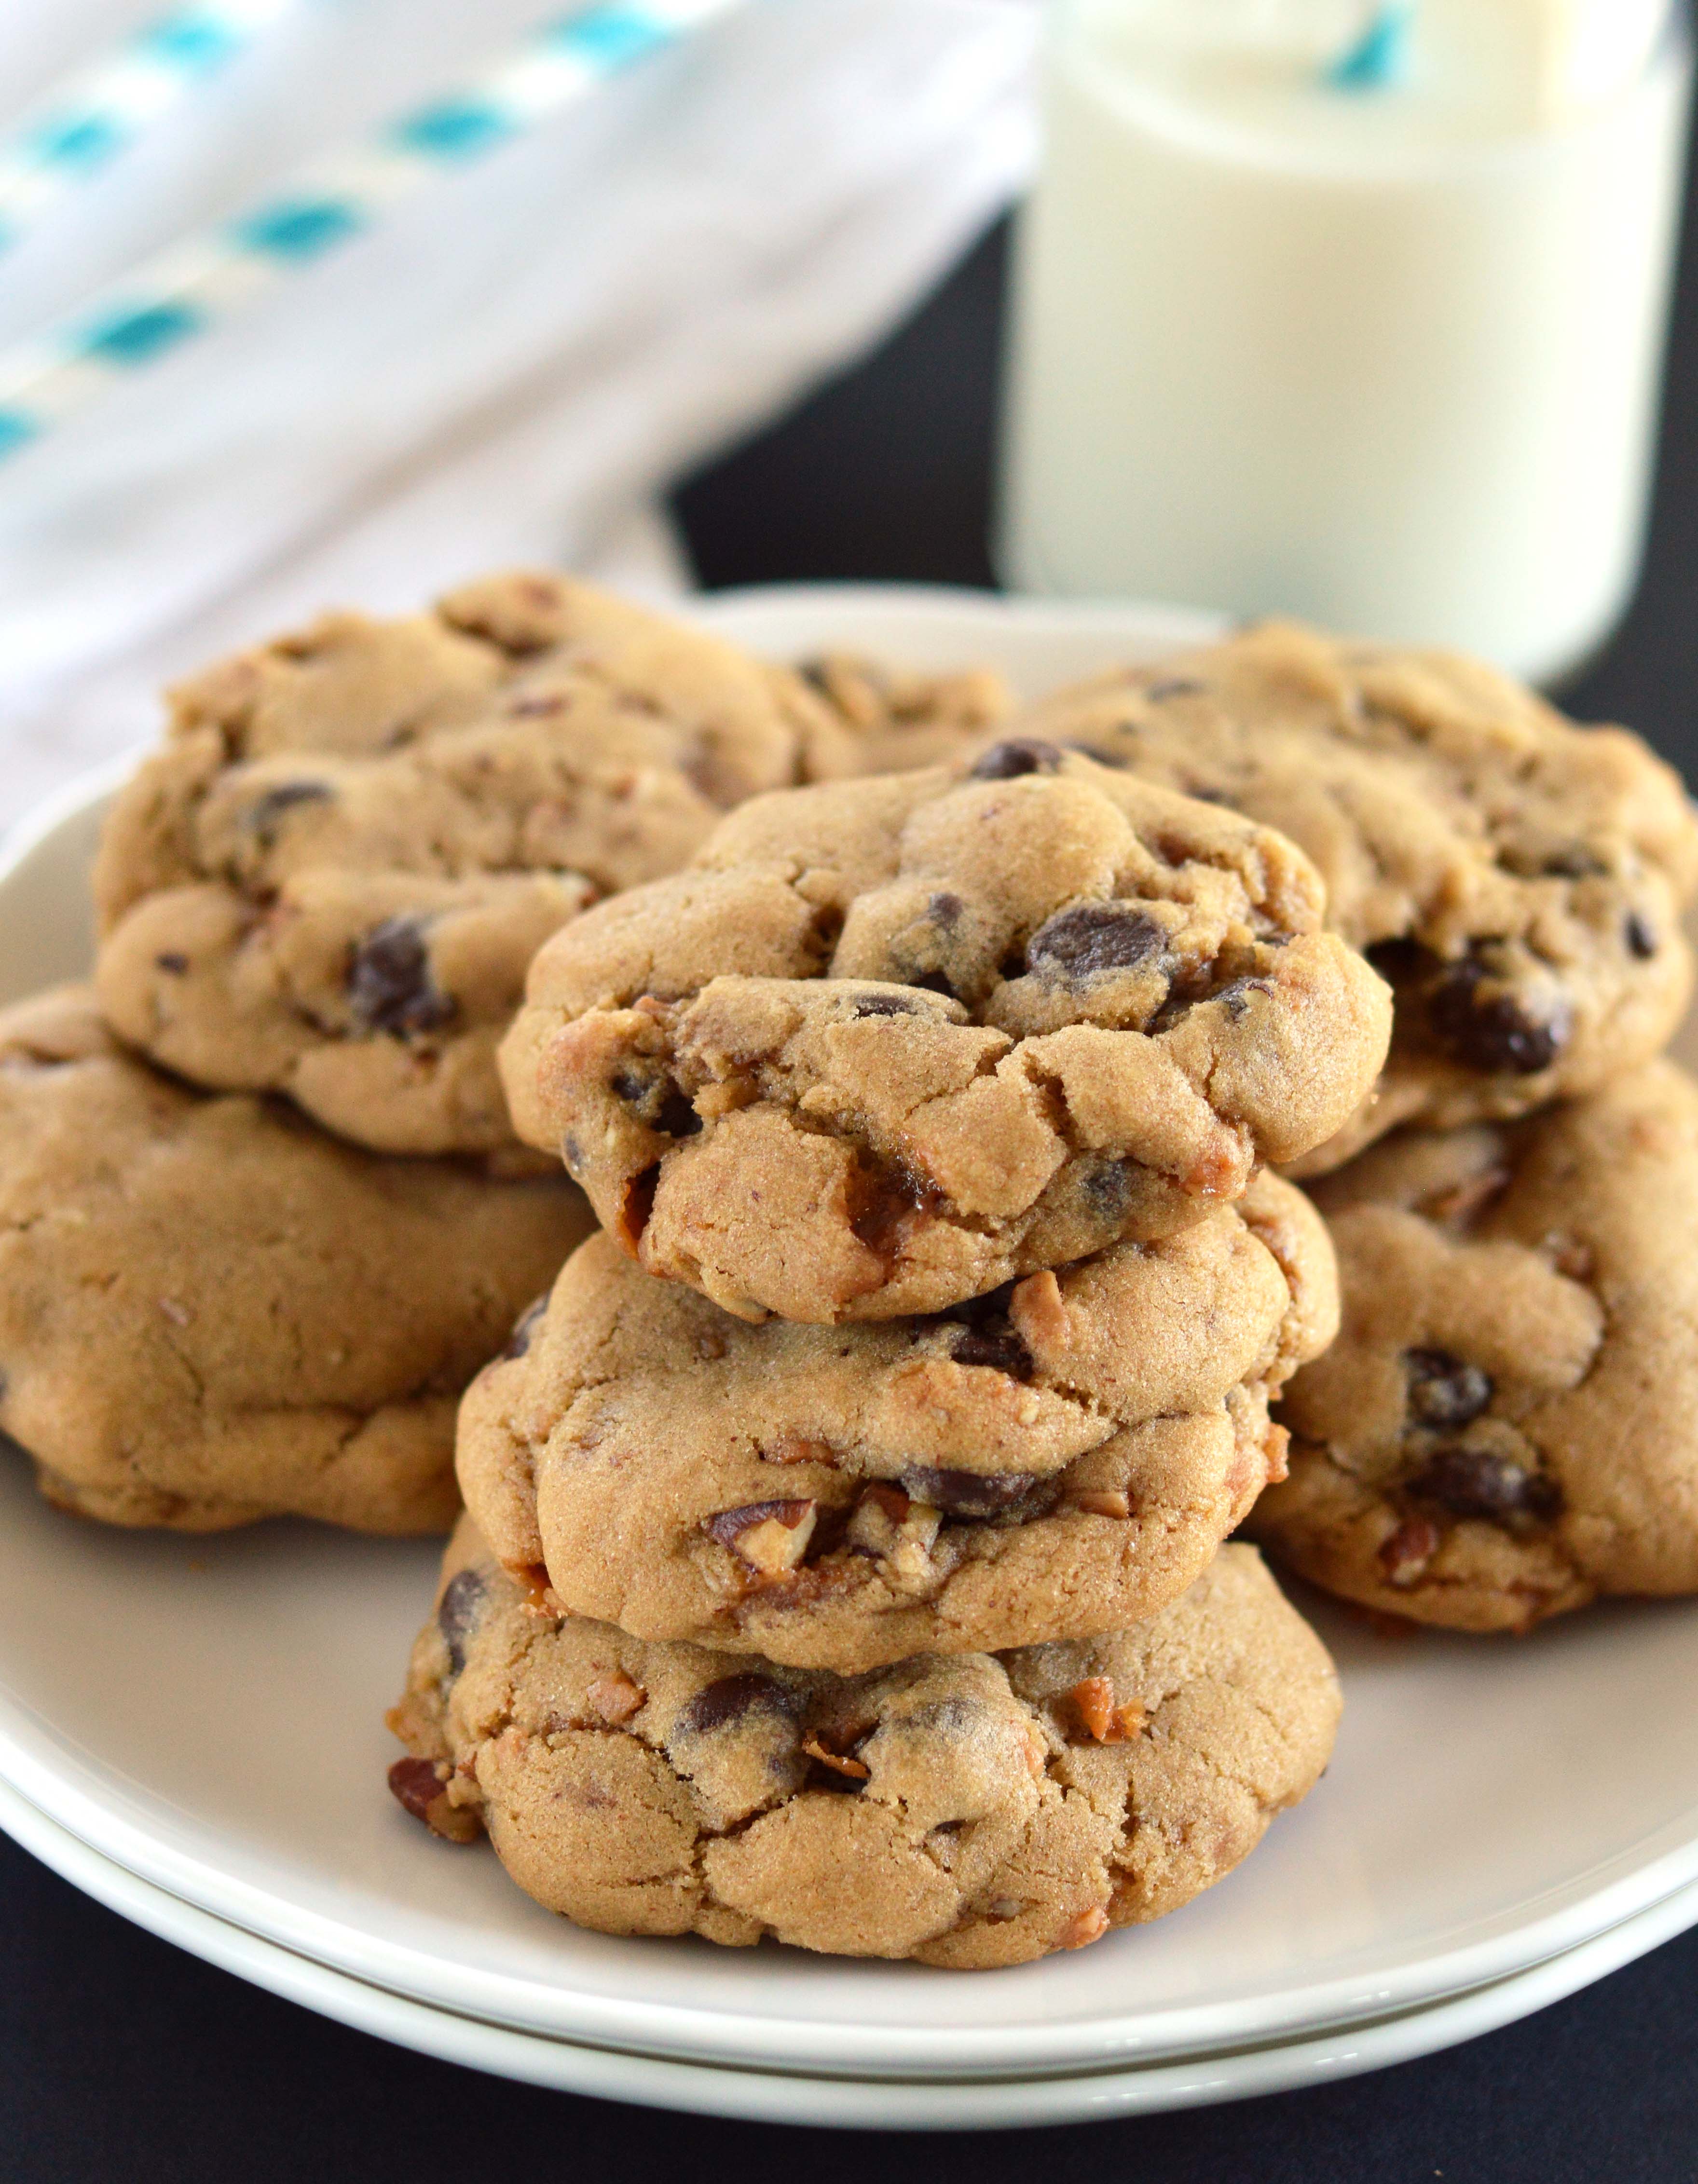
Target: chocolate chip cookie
pixel 1056 1459
pixel 209 1311
pixel 1507 1425
pixel 1517 878
pixel 329 881
pixel 971 1811
pixel 888 1043
pixel 896 721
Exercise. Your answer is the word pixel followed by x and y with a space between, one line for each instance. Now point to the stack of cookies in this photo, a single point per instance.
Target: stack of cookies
pixel 843 1557
pixel 1507 1426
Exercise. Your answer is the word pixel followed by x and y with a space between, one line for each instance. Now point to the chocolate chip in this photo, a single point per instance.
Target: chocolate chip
pixel 1575 861
pixel 172 962
pixel 1006 761
pixel 1000 1348
pixel 967 1493
pixel 656 1099
pixel 263 816
pixel 458 1611
pixel 1443 1391
pixel 1107 1188
pixel 1493 1032
pixel 1235 998
pixel 885 1005
pixel 1472 1482
pixel 525 1327
pixel 1641 936
pixel 1094 938
pixel 389 984
pixel 945 910
pixel 717 1705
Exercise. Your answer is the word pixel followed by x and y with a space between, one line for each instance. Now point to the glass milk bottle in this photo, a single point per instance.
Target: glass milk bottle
pixel 1354 312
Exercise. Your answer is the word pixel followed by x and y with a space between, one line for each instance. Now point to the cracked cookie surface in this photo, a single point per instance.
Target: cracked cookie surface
pixel 1507 1425
pixel 1057 1459
pixel 1519 879
pixel 329 881
pixel 887 1044
pixel 210 1311
pixel 970 1811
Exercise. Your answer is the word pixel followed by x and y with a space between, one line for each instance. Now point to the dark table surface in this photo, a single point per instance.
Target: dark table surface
pixel 124 2061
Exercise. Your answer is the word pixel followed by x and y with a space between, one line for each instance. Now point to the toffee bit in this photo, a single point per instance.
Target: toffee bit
pixel 616 1698
pixel 1083 1928
pixel 840 1762
pixel 1103 1721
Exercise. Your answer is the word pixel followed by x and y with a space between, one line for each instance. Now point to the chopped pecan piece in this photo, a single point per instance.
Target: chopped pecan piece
pixel 616 1697
pixel 1405 1553
pixel 890 1499
pixel 771 1537
pixel 421 1786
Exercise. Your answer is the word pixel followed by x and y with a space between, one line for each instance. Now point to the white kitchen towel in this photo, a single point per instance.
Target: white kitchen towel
pixel 511 368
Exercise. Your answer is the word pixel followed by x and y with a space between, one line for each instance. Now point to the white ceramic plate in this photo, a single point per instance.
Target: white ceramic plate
pixel 206 1713
pixel 763 2097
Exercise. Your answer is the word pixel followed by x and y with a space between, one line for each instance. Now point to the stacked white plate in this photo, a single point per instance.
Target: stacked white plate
pixel 191 1731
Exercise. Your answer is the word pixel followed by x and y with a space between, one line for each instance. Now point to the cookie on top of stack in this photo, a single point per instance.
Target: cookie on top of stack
pixel 1506 1427
pixel 841 1551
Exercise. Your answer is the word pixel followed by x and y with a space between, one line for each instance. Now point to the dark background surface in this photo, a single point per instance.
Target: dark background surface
pixel 124 2061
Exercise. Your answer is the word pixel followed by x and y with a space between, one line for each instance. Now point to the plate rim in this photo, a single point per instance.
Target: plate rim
pixel 801 2097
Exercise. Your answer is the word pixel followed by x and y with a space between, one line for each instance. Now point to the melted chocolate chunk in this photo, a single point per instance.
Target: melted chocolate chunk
pixel 885 1005
pixel 389 984
pixel 263 816
pixel 945 910
pixel 1443 1391
pixel 716 1706
pixel 1472 1482
pixel 998 1347
pixel 883 1201
pixel 1640 935
pixel 1018 755
pixel 967 1493
pixel 1492 1032
pixel 458 1611
pixel 525 1327
pixel 1094 938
